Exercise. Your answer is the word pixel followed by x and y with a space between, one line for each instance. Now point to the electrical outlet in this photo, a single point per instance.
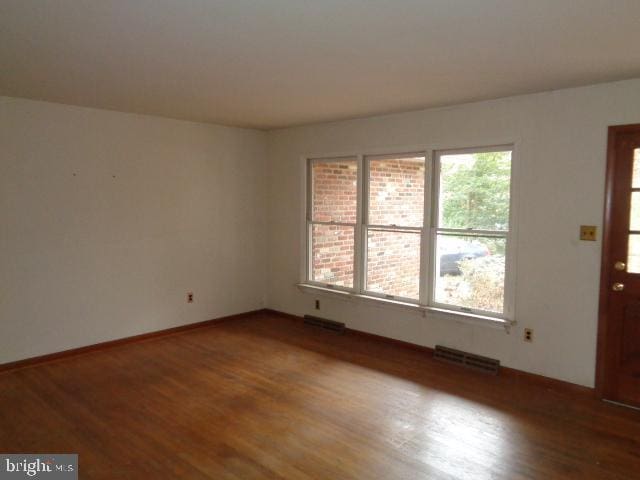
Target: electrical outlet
pixel 528 335
pixel 189 297
pixel 317 304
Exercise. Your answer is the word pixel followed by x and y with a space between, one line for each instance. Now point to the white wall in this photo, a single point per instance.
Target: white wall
pixel 561 141
pixel 90 257
pixel 156 208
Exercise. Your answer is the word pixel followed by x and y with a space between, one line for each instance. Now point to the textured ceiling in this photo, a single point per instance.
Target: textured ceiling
pixel 275 63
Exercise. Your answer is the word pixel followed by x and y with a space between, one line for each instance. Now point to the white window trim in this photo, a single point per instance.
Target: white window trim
pixel 425 304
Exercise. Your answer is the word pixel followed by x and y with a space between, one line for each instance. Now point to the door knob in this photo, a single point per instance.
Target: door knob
pixel 617 287
pixel 620 266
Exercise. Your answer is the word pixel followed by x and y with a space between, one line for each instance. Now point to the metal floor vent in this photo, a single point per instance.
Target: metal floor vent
pixel 324 323
pixel 468 360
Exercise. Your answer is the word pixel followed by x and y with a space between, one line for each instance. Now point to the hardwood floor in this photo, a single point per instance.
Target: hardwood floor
pixel 268 397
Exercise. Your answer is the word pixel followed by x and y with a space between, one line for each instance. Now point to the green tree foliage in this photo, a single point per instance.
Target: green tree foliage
pixel 475 194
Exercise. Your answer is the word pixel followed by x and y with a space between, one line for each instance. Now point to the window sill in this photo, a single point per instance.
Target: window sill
pixel 420 309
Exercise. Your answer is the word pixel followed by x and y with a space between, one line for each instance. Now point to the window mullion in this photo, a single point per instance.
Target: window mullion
pixel 309 252
pixel 431 224
pixel 360 230
pixel 424 234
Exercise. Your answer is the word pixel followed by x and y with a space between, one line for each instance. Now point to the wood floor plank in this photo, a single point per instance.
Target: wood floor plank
pixel 268 397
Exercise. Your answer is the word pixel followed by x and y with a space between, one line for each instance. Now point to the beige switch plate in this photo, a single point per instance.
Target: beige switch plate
pixel 588 232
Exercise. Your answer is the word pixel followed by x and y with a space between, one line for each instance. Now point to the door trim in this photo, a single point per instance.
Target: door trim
pixel 605 267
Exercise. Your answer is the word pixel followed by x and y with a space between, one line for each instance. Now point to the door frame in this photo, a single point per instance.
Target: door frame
pixel 606 264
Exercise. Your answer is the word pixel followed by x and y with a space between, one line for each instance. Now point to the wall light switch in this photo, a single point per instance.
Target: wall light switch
pixel 588 232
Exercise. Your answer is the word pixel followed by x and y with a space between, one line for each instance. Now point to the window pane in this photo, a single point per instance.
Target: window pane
pixel 470 272
pixel 396 191
pixel 334 190
pixel 635 182
pixel 474 190
pixel 393 263
pixel 634 216
pixel 633 257
pixel 332 254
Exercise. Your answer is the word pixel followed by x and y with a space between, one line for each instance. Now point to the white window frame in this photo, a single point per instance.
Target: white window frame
pixel 429 231
pixel 310 222
pixel 435 229
pixel 366 226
